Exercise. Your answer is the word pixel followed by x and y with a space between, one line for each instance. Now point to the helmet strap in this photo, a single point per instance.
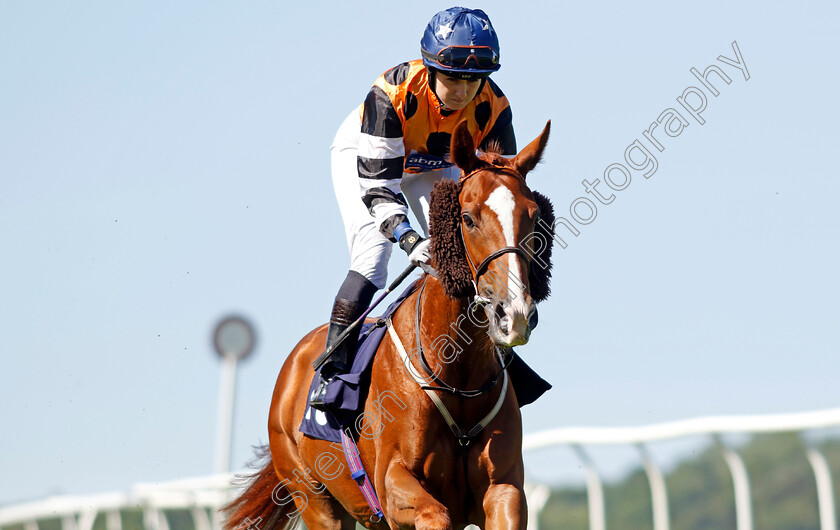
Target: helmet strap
pixel 432 76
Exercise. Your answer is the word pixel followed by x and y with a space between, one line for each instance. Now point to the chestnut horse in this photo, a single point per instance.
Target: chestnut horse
pixel 425 476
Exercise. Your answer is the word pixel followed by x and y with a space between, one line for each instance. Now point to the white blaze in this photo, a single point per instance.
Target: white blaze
pixel 502 203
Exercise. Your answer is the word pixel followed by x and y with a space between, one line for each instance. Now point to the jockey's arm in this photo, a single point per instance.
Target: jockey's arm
pixel 381 155
pixel 380 165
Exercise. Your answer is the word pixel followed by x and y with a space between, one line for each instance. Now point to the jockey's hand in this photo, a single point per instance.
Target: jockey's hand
pixel 417 248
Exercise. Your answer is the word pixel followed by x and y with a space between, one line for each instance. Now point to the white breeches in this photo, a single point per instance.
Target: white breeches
pixel 369 249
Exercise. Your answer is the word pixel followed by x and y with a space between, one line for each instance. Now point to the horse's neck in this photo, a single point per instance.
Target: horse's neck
pixel 453 344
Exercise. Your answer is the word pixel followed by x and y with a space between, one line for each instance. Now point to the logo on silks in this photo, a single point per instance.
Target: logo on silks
pixel 418 163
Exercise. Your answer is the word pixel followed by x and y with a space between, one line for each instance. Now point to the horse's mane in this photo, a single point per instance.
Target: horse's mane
pixel 493 147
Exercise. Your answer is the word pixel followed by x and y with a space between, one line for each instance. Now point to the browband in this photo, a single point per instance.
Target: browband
pixel 503 169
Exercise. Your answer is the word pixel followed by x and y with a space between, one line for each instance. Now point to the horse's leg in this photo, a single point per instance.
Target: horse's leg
pixel 327 515
pixel 318 509
pixel 505 507
pixel 409 505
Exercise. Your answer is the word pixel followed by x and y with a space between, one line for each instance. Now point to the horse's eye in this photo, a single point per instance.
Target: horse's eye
pixel 468 221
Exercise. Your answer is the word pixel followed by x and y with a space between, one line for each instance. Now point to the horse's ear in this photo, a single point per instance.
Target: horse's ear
pixel 448 256
pixel 462 148
pixel 530 156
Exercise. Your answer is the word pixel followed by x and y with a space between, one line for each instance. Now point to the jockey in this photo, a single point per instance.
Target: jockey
pixel 392 150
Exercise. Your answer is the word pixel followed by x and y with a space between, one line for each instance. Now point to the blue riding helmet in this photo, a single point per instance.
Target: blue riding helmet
pixel 461 41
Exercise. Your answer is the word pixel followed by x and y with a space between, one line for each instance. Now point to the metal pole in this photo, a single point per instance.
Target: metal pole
pixel 68 522
pixel 113 520
pixel 594 491
pixel 658 491
pixel 741 485
pixel 200 518
pixel 224 421
pixel 825 495
pixel 537 495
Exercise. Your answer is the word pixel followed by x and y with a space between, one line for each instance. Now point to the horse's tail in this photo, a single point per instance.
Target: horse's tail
pixel 256 508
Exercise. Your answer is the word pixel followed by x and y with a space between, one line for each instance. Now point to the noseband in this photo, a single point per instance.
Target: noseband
pixel 485 263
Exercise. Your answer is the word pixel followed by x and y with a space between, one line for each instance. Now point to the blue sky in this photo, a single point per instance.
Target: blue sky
pixel 163 165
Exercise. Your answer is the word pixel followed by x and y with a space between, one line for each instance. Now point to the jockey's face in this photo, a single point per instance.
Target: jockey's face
pixel 455 94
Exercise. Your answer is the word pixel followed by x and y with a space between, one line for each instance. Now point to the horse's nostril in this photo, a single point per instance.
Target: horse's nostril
pixel 533 317
pixel 502 318
pixel 500 311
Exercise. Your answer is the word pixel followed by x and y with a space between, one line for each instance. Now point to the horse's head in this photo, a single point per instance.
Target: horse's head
pixel 487 241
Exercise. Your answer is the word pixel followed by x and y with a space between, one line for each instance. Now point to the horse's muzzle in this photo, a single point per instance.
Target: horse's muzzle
pixel 511 321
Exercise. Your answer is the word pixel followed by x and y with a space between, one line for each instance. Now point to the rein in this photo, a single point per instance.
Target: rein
pixel 442 385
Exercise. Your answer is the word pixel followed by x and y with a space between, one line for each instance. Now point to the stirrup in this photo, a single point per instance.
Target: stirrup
pixel 316 400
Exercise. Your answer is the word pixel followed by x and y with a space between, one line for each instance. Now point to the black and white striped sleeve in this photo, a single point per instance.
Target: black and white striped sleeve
pixel 502 131
pixel 381 155
pixel 502 134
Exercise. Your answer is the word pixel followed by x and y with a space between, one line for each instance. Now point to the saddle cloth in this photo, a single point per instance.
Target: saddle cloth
pixel 346 395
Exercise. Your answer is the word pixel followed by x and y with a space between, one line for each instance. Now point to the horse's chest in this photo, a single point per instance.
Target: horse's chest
pixel 441 467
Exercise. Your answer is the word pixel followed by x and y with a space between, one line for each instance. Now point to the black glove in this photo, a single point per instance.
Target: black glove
pixel 409 241
pixel 419 250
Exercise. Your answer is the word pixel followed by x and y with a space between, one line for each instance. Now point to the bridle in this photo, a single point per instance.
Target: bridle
pixel 485 263
pixel 505 356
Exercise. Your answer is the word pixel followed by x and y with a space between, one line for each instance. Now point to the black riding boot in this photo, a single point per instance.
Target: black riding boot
pixel 351 302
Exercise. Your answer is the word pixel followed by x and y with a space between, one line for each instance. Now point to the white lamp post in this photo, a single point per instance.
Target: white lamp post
pixel 233 339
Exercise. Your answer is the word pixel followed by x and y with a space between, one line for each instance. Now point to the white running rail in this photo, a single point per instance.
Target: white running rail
pixel 579 437
pixel 200 496
pixel 203 496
